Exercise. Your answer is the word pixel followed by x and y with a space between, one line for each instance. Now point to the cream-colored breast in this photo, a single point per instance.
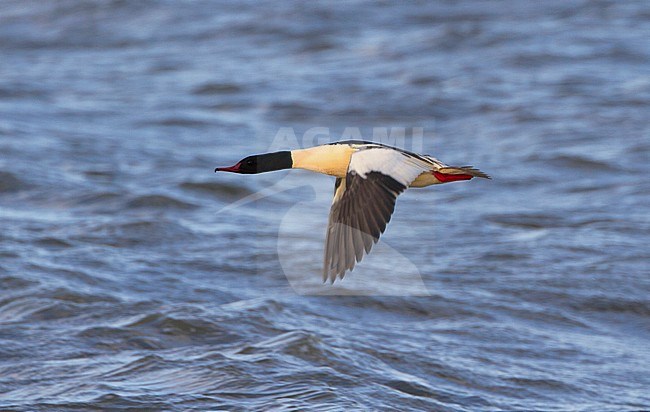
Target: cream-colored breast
pixel 327 159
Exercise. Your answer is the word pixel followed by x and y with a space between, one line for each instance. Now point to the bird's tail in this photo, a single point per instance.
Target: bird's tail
pixel 463 170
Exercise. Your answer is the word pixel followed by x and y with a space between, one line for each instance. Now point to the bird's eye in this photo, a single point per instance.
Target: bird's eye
pixel 249 162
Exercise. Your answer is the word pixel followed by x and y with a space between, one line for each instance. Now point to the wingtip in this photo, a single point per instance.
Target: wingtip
pixel 332 276
pixel 327 276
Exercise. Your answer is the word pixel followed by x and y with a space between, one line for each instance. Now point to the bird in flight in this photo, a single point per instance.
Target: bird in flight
pixel 369 177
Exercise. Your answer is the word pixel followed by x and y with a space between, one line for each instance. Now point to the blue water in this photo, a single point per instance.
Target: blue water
pixel 125 284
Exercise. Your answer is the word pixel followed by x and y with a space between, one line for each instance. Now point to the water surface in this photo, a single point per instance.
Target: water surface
pixel 124 285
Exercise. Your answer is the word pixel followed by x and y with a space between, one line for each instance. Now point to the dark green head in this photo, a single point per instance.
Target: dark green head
pixel 260 163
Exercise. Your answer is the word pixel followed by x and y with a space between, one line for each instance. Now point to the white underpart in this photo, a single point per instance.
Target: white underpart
pixel 388 162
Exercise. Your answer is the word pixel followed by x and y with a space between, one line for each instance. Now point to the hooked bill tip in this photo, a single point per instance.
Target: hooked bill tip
pixel 233 169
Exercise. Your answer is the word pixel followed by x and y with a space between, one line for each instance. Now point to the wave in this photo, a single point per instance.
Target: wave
pixel 618 305
pixel 211 89
pixel 10 183
pixel 132 233
pixel 158 202
pixel 217 189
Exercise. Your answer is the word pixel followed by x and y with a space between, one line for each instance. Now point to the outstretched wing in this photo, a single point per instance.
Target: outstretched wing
pixel 363 203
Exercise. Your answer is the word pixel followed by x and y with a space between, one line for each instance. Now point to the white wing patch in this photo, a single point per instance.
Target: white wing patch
pixel 401 167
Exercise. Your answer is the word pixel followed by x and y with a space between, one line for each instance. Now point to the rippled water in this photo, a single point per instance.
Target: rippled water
pixel 124 283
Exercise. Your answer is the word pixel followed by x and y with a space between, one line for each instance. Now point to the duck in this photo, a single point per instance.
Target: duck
pixel 369 177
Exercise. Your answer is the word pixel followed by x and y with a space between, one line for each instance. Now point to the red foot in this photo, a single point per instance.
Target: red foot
pixel 444 177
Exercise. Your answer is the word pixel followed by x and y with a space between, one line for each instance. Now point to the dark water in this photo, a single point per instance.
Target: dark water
pixel 125 285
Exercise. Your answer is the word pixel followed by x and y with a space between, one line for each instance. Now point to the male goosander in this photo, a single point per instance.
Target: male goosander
pixel 369 177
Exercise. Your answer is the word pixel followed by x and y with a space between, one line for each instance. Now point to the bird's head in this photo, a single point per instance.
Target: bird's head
pixel 260 163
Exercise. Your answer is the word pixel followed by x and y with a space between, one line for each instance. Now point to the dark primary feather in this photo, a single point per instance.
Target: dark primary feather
pixel 361 210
